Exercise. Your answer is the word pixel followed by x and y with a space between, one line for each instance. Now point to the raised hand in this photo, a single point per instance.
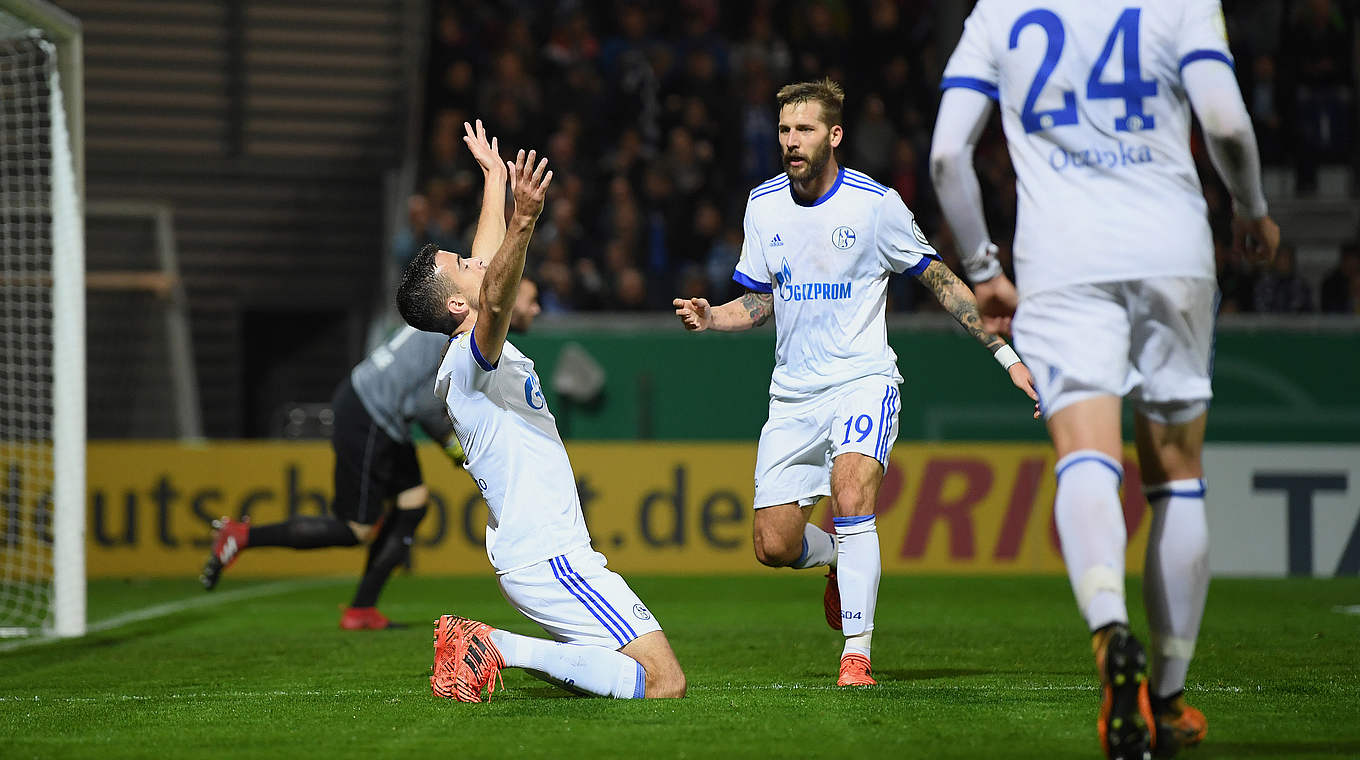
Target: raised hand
pixel 488 154
pixel 996 302
pixel 529 183
pixel 694 313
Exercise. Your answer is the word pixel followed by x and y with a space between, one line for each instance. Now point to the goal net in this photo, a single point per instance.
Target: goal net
pixel 42 366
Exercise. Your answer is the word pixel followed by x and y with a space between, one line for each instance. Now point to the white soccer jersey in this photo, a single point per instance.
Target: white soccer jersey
pixel 827 263
pixel 514 453
pixel 1097 123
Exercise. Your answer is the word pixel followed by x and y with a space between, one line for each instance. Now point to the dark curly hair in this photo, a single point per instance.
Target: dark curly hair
pixel 422 294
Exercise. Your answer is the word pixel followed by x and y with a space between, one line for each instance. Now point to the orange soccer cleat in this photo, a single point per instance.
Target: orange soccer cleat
pixel 229 538
pixel 465 659
pixel 855 671
pixel 831 600
pixel 1178 726
pixel 1125 725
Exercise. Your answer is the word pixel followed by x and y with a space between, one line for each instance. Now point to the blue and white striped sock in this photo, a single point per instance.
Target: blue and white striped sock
pixel 575 667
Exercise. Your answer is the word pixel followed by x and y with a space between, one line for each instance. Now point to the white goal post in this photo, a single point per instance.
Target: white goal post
pixel 42 318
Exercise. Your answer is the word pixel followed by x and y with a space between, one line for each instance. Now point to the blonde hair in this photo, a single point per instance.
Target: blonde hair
pixel 823 91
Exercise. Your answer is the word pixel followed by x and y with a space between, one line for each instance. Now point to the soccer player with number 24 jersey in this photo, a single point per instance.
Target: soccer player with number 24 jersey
pixel 1114 294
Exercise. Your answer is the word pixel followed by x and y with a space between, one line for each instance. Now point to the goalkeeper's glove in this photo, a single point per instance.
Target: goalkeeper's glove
pixel 454 451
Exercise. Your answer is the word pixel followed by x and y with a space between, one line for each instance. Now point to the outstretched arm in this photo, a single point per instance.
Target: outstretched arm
pixel 500 286
pixel 491 221
pixel 958 300
pixel 752 309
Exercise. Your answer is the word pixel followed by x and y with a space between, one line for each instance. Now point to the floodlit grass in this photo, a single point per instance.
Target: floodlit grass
pixel 968 668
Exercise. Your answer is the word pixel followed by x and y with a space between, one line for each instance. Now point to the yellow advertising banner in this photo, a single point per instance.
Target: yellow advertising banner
pixel 651 508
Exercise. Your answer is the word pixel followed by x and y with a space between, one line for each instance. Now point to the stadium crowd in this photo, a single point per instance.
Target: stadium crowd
pixel 659 117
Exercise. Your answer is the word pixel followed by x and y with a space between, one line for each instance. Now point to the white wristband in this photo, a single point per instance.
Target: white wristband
pixel 1006 356
pixel 982 265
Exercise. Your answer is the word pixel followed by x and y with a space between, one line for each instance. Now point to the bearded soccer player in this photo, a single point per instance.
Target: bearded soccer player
pixel 375 459
pixel 821 241
pixel 1114 265
pixel 606 642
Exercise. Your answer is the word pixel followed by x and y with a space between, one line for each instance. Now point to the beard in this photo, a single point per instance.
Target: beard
pixel 814 163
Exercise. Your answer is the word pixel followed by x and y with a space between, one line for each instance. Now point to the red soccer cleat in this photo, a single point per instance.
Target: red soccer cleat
pixel 465 659
pixel 855 671
pixel 364 619
pixel 831 600
pixel 229 538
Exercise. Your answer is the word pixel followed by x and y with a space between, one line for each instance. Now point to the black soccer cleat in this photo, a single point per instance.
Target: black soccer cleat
pixel 1126 723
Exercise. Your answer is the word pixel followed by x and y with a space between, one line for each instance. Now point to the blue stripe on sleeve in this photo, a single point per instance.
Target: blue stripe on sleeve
pixel 750 284
pixel 916 269
pixel 972 83
pixel 1206 55
pixel 477 354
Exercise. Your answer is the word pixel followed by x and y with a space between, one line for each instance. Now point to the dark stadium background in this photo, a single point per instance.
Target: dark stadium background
pixel 306 148
pixel 255 173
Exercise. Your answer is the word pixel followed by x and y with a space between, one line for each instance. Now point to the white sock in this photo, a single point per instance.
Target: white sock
pixel 1090 523
pixel 819 548
pixel 1175 579
pixel 575 667
pixel 858 566
pixel 858 644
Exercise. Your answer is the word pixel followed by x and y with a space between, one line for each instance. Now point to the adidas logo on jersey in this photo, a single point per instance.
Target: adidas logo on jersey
pixel 775 241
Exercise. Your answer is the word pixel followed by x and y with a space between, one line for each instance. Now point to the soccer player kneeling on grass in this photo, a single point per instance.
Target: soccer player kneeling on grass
pixel 375 458
pixel 607 642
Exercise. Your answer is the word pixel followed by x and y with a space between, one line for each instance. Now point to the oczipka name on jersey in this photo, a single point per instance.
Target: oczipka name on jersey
pixel 815 291
pixel 1095 158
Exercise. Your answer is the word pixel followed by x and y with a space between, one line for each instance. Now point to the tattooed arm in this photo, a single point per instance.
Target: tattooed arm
pixel 751 310
pixel 958 300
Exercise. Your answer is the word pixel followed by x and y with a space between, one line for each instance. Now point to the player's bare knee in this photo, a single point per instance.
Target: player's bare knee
pixel 852 503
pixel 666 682
pixel 775 550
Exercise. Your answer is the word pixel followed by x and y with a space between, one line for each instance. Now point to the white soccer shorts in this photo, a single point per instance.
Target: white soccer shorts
pixel 577 600
pixel 1148 340
pixel 798 442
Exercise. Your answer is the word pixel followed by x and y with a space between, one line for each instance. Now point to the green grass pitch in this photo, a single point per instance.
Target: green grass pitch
pixel 968 668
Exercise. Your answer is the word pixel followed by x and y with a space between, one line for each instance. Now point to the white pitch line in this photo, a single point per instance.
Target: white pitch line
pixel 171 608
pixel 1349 609
pixel 249 695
